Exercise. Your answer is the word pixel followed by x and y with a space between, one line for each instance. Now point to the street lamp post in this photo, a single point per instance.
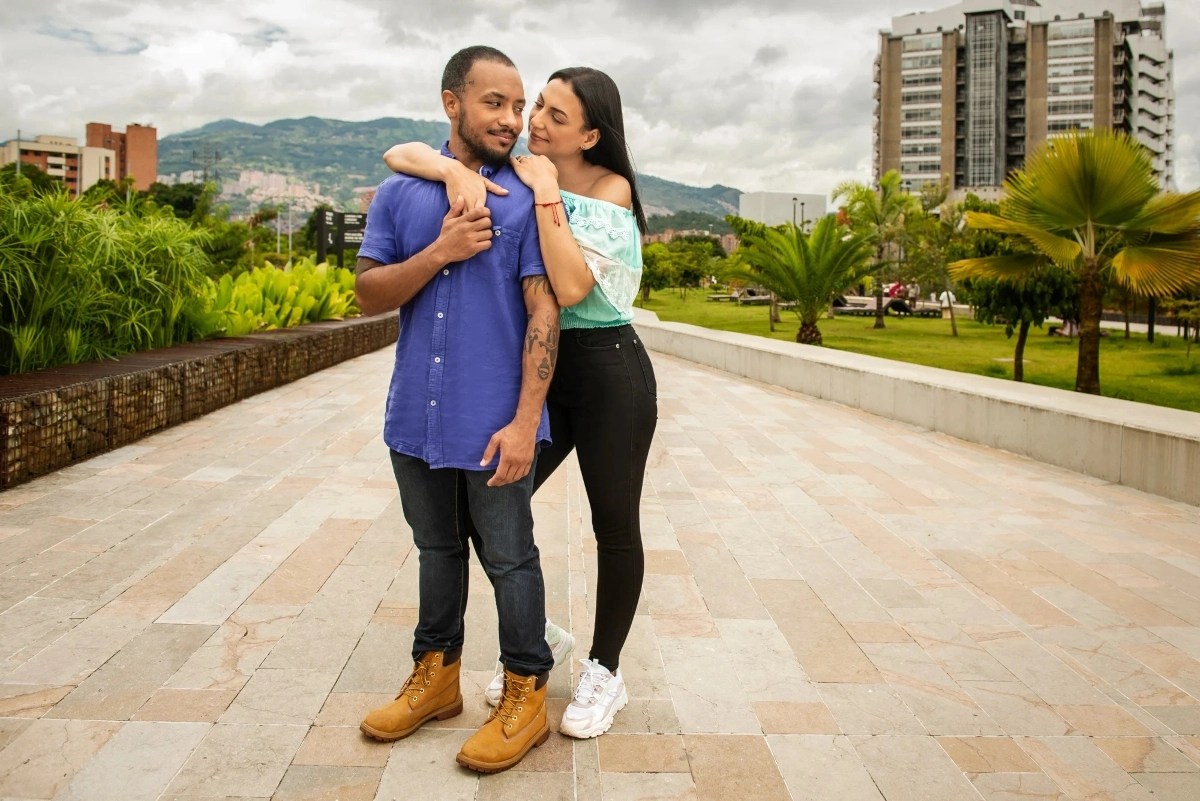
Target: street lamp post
pixel 801 215
pixel 794 211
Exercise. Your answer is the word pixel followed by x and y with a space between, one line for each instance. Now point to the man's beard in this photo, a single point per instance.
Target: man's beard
pixel 481 151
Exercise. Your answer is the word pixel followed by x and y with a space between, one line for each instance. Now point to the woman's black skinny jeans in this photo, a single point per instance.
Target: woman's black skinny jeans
pixel 603 404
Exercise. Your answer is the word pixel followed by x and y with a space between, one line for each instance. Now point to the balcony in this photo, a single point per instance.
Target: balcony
pixel 1016 94
pixel 1015 149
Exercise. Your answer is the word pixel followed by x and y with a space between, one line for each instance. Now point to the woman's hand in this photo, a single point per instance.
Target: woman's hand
pixel 538 173
pixel 468 184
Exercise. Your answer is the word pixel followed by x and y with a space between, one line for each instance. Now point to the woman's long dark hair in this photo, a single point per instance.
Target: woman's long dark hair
pixel 602 110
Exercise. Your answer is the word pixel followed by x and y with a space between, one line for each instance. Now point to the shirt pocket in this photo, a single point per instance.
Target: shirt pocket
pixel 505 254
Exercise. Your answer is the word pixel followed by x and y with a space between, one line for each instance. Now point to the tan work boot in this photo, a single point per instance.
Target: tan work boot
pixel 431 691
pixel 517 725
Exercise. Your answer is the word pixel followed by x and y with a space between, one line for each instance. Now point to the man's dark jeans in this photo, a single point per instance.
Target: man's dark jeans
pixel 437 505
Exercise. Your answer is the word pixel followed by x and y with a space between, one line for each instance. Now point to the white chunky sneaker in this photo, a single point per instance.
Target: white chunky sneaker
pixel 560 641
pixel 598 698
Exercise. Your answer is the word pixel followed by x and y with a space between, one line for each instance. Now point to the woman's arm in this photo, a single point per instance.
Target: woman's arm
pixel 568 273
pixel 421 160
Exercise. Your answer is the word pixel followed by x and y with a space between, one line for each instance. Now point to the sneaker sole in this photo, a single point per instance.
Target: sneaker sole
pixel 445 713
pixel 496 767
pixel 606 723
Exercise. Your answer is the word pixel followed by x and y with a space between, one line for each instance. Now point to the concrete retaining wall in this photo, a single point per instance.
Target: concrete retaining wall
pixel 1147 447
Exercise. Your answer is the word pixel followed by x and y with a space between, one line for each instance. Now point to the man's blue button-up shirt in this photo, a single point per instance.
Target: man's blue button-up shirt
pixel 458 372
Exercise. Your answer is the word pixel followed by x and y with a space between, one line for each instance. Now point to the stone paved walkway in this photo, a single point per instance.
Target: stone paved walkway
pixel 837 607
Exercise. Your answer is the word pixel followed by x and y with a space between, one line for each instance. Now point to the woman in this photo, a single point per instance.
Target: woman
pixel 602 400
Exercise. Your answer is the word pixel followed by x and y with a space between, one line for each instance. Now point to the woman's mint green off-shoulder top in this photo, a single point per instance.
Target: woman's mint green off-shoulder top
pixel 612 249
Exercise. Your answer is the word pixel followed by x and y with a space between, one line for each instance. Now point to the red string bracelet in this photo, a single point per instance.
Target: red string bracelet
pixel 553 208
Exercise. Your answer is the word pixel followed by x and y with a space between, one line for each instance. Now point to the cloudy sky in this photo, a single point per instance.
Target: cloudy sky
pixel 759 94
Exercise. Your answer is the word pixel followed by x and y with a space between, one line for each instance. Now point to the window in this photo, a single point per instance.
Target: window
pixel 1075 50
pixel 1060 126
pixel 922 42
pixel 1075 107
pixel 921 132
pixel 921 149
pixel 911 98
pixel 1059 89
pixel 1085 29
pixel 921 62
pixel 923 79
pixel 920 114
pixel 1077 70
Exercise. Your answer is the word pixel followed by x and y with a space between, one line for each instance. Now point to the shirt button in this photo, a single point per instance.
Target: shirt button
pixel 445 272
pixel 440 315
pixel 433 403
pixel 437 359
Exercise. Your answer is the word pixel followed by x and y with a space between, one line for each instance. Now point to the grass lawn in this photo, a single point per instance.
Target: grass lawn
pixel 1161 374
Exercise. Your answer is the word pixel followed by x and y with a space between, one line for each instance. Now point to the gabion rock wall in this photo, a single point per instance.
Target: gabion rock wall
pixel 52 418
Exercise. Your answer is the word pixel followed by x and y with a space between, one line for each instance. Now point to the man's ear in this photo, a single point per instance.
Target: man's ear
pixel 451 104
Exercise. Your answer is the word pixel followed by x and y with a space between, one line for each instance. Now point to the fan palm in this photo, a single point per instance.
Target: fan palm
pixel 1088 202
pixel 809 270
pixel 878 214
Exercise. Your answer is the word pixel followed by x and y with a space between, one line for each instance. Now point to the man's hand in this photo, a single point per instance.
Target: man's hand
pixel 516 445
pixel 465 232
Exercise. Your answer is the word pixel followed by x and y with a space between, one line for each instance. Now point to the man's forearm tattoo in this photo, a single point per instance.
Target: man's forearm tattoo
pixel 538 283
pixel 546 341
pixel 544 336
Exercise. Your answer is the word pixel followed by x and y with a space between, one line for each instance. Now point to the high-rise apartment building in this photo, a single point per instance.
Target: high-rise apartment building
pixel 136 149
pixel 62 158
pixel 965 92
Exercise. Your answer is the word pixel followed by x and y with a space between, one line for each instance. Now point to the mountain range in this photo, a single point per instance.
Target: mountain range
pixel 312 160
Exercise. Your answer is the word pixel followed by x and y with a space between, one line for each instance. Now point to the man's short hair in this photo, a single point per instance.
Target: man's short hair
pixel 454 77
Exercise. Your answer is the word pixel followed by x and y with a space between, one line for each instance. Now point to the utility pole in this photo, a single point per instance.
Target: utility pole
pixel 18 151
pixel 289 233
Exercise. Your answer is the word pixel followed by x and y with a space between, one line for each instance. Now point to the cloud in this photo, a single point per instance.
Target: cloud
pixel 762 95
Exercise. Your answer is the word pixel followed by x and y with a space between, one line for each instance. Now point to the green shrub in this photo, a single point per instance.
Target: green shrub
pixel 267 298
pixel 97 278
pixel 82 281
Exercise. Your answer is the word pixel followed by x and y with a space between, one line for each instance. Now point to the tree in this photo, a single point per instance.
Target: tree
pixel 692 259
pixel 808 269
pixel 879 215
pixel 930 233
pixel 310 230
pixel 1088 202
pixel 1020 304
pixel 189 201
pixel 31 181
pixel 657 269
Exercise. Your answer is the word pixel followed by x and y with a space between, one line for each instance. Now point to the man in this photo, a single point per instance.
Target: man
pixel 465 410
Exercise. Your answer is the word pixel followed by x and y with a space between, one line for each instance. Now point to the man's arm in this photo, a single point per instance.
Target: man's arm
pixel 517 441
pixel 383 288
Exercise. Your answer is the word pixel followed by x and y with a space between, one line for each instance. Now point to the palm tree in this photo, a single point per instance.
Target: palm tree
pixel 809 270
pixel 1088 202
pixel 879 214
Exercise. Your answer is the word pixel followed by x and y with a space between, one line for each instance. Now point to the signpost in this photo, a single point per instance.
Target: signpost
pixel 336 230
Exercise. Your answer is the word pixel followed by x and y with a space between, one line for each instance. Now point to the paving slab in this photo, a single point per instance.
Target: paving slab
pixel 836 606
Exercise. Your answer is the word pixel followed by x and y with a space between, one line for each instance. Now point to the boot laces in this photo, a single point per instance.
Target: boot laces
pixel 510 700
pixel 418 680
pixel 592 680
